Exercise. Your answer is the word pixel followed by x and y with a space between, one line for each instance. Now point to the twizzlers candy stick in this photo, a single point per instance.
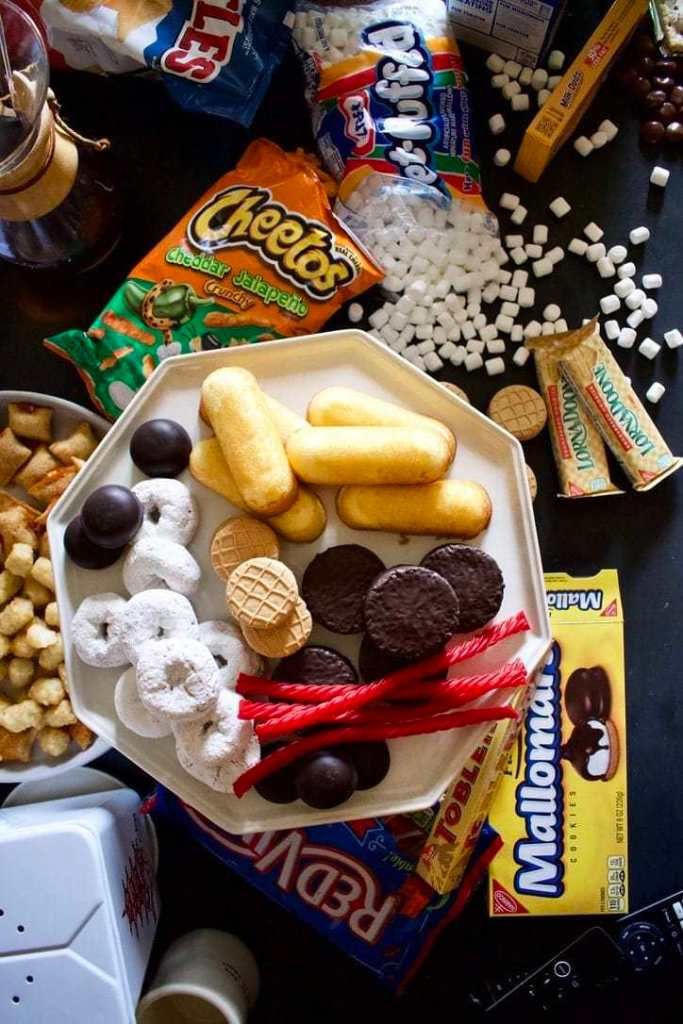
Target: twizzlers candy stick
pixel 577 446
pixel 614 406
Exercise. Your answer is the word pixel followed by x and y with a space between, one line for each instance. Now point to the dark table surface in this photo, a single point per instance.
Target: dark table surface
pixel 166 159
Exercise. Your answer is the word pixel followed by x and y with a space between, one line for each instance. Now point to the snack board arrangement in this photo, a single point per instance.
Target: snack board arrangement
pixel 294 373
pixel 298 580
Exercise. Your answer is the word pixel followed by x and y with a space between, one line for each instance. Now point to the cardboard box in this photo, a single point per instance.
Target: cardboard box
pixel 520 30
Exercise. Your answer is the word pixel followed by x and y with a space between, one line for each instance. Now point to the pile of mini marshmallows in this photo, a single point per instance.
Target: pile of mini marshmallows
pixel 331 35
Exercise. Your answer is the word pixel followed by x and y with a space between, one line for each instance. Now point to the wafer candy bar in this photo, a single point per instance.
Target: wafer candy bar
pixel 577 446
pixel 615 408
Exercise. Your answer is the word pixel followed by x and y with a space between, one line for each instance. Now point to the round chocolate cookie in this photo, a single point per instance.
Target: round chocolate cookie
pixel 336 583
pixel 317 665
pixel 375 664
pixel 411 612
pixel 474 576
pixel 326 780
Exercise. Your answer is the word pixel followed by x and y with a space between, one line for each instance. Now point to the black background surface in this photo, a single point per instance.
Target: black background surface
pixel 166 158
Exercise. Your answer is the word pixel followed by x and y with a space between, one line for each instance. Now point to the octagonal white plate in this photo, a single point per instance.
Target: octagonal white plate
pixel 66 417
pixel 293 371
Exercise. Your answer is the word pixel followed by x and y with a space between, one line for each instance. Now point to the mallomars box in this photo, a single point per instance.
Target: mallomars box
pixel 561 808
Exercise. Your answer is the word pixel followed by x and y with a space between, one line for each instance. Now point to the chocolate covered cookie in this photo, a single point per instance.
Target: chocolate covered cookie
pixel 336 583
pixel 318 665
pixel 476 579
pixel 588 694
pixel 411 612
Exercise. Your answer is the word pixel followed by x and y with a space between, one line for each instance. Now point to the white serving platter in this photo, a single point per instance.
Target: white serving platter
pixel 293 371
pixel 66 417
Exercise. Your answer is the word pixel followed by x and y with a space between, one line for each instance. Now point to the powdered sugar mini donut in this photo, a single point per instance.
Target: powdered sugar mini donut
pixel 154 615
pixel 230 652
pixel 153 563
pixel 177 678
pixel 96 631
pixel 219 747
pixel 133 712
pixel 169 508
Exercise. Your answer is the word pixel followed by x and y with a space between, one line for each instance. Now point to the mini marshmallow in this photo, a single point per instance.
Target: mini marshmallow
pixel 398 321
pixel 415 358
pixel 539 79
pixel 514 241
pixel 504 323
pixel 520 101
pixel 505 276
pixel 561 326
pixel 517 333
pixel 508 201
pixel 488 333
pixel 673 338
pixel 626 270
pixel 521 355
pixel 583 146
pixel 627 337
pixel 490 293
pixel 495 63
pixel 447 350
pixel 617 253
pixel 547 328
pixel 510 309
pixel 612 330
pixel 494 367
pixel 468 330
pixel 473 361
pixel 595 252
pixel 426 346
pixel 560 207
pixel 609 129
pixel 379 318
pixel 578 246
pixel 518 215
pixel 655 392
pixel 649 348
pixel 508 293
pixel 459 356
pixel 497 124
pixel 432 362
pixel 639 235
pixel 635 318
pixel 540 235
pixel 554 81
pixel 606 268
pixel 526 298
pixel 511 89
pixel 543 96
pixel 552 312
pixel 532 329
pixel 651 281
pixel 625 287
pixel 441 335
pixel 512 68
pixel 424 331
pixel 389 335
pixel 495 346
pixel 500 80
pixel 543 267
pixel 518 256
pixel 649 308
pixel 609 304
pixel 520 278
pixel 533 251
pixel 556 60
pixel 525 76
pixel 593 231
pixel 659 177
pixel 555 255
pixel 502 157
pixel 599 139
pixel 355 312
pixel 418 316
pixel 635 299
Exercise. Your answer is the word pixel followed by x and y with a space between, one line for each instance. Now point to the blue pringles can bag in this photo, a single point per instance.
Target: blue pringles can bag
pixel 354 882
pixel 215 56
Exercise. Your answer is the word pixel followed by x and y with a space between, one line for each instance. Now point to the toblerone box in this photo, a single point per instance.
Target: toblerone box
pixel 561 807
pixel 560 114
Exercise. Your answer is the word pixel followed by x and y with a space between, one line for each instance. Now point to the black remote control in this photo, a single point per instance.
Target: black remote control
pixel 633 951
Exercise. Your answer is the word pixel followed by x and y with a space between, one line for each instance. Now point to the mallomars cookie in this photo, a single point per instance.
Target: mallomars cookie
pixel 346 407
pixel 474 576
pixel 368 455
pixel 250 441
pixel 447 508
pixel 411 612
pixel 336 583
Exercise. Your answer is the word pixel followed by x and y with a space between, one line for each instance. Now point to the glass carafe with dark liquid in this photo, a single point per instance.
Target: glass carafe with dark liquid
pixel 58 204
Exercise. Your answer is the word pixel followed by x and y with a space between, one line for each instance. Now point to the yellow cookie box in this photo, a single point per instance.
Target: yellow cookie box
pixel 561 808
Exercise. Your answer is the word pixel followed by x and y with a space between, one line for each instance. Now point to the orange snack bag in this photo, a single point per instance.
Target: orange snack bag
pixel 259 256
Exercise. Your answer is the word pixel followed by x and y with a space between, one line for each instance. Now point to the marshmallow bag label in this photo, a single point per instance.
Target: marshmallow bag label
pixel 259 256
pixel 561 809
pixel 388 90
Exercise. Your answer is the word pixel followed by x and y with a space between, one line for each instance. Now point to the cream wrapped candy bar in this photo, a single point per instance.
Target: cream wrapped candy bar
pixel 578 449
pixel 615 409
